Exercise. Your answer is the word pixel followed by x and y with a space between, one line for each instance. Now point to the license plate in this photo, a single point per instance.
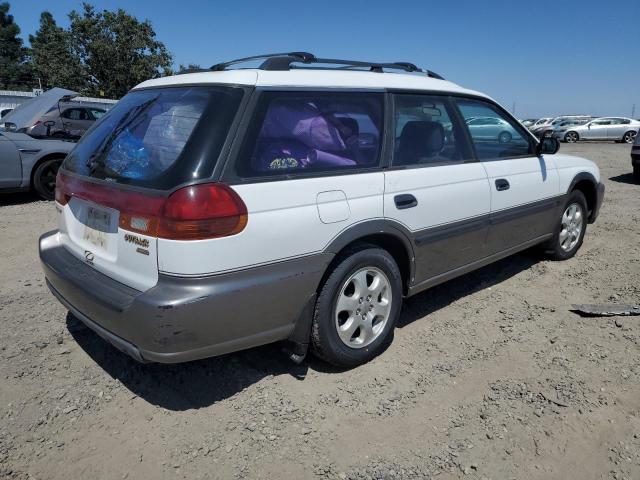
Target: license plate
pixel 97 227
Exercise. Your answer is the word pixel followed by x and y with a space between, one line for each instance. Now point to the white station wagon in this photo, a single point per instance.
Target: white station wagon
pixel 302 200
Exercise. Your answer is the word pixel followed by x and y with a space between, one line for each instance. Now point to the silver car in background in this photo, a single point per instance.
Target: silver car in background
pixel 548 128
pixel 491 128
pixel 618 129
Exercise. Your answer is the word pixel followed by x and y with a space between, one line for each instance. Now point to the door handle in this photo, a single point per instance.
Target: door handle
pixel 406 200
pixel 502 184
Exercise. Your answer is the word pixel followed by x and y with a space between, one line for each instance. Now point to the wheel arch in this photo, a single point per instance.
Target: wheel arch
pixel 385 234
pixel 587 184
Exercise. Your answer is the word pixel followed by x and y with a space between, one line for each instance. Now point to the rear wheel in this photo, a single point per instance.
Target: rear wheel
pixel 571 137
pixel 570 228
pixel 629 137
pixel 44 178
pixel 357 308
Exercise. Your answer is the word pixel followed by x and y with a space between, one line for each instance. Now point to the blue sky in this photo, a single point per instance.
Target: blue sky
pixel 549 57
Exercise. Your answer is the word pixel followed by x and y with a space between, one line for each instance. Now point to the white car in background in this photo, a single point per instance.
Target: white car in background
pixel 216 211
pixel 618 129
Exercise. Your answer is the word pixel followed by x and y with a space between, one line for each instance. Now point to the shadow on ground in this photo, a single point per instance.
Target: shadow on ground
pixel 625 178
pixel 202 383
pixel 21 198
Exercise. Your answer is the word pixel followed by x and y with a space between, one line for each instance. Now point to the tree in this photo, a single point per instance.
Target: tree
pixel 117 50
pixel 53 59
pixel 14 71
pixel 190 67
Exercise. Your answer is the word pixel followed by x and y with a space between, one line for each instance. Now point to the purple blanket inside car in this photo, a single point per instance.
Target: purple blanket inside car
pixel 296 134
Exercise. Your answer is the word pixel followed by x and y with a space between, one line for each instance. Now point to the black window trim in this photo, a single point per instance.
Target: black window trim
pixel 516 125
pixel 222 157
pixel 446 99
pixel 228 171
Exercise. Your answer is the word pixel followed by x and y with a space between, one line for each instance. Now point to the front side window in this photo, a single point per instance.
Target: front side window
pixel 498 137
pixel 97 113
pixel 426 133
pixel 298 132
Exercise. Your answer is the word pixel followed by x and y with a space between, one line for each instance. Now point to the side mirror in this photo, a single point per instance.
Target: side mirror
pixel 548 146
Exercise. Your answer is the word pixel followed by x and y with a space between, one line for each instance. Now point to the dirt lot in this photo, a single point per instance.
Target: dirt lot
pixel 489 376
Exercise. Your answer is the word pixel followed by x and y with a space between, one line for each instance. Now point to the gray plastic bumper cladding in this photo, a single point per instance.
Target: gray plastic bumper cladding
pixel 184 318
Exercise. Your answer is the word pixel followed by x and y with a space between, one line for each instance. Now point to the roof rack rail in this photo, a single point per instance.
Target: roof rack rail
pixel 285 61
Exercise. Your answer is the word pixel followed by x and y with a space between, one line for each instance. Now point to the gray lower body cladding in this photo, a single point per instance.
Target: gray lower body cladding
pixel 182 319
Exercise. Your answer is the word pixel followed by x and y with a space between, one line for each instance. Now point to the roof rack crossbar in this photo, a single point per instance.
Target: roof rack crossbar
pixel 284 61
pixel 294 56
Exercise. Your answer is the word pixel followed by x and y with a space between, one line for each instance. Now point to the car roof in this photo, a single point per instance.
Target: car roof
pixel 315 78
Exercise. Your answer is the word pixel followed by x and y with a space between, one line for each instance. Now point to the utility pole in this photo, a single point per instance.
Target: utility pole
pixel 633 111
pixel 513 109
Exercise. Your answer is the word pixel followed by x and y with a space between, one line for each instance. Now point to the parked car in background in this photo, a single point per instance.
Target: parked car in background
pixel 26 162
pixel 5 111
pixel 635 158
pixel 558 130
pixel 540 122
pixel 490 129
pixel 618 129
pixel 528 122
pixel 216 211
pixel 66 120
pixel 548 128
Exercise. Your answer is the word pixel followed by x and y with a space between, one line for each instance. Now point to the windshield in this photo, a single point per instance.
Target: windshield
pixel 144 139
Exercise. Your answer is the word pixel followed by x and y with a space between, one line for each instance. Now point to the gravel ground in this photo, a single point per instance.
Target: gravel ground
pixel 489 376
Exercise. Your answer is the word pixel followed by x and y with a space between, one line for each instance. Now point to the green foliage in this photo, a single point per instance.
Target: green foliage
pixel 116 50
pixel 190 67
pixel 15 73
pixel 53 59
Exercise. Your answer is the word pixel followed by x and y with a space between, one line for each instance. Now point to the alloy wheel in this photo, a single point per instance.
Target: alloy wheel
pixel 363 307
pixel 572 223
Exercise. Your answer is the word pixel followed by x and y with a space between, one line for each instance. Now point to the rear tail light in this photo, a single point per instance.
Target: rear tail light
pixel 196 212
pixel 38 122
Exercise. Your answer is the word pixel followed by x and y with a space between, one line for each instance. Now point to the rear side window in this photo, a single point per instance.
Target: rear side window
pixel 426 132
pixel 298 132
pixel 144 140
pixel 494 134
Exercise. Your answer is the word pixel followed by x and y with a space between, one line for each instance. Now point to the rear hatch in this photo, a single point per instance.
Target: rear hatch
pixel 114 186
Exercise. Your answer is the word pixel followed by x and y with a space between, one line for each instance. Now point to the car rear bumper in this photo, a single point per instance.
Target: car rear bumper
pixel 182 319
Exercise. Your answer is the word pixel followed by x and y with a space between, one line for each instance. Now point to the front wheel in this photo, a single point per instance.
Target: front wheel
pixel 44 178
pixel 570 228
pixel 357 308
pixel 571 137
pixel 504 137
pixel 629 137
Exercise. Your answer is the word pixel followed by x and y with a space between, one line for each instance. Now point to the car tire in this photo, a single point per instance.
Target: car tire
pixel 629 137
pixel 44 178
pixel 571 137
pixel 636 173
pixel 504 137
pixel 567 235
pixel 357 307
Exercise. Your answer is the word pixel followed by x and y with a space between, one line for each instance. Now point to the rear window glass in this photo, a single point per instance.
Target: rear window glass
pixel 144 139
pixel 310 131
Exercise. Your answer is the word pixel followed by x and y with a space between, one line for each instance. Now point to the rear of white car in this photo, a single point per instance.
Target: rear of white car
pixel 212 212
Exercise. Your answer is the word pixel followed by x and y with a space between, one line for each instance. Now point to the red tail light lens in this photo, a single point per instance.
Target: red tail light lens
pixel 202 211
pixel 191 213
